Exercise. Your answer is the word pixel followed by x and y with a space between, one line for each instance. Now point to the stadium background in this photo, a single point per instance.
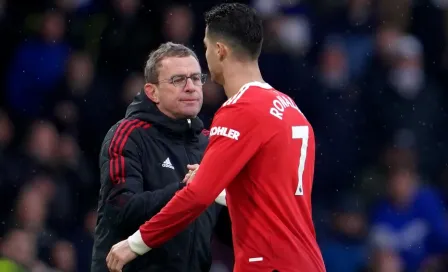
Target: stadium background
pixel 370 76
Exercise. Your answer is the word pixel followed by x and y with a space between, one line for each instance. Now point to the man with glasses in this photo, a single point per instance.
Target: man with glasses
pixel 261 152
pixel 144 159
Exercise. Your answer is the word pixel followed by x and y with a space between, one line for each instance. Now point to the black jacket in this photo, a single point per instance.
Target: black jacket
pixel 143 161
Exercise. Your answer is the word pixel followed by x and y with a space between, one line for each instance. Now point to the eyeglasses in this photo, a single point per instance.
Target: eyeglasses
pixel 181 80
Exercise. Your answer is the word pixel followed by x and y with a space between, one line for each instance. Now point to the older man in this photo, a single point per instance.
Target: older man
pixel 144 158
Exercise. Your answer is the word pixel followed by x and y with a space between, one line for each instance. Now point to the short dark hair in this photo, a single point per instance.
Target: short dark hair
pixel 239 25
pixel 165 50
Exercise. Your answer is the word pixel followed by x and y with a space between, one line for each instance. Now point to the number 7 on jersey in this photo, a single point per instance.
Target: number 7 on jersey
pixel 301 132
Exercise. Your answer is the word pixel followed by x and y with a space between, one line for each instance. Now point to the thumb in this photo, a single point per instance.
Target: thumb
pixel 192 166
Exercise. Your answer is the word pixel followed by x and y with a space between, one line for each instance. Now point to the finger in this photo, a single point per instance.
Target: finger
pixel 187 176
pixel 192 166
pixel 120 265
pixel 115 265
pixel 113 261
pixel 109 262
pixel 190 179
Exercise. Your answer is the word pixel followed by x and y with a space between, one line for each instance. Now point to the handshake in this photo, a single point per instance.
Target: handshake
pixel 192 169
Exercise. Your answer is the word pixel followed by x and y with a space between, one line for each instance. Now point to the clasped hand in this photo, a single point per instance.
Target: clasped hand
pixel 192 169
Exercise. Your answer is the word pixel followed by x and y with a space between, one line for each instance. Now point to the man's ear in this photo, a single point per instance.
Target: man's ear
pixel 222 51
pixel 152 92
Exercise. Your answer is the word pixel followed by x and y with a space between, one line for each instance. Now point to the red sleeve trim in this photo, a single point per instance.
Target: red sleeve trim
pixel 117 171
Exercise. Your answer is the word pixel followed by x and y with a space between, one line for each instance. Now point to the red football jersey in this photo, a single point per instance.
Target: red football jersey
pixel 262 151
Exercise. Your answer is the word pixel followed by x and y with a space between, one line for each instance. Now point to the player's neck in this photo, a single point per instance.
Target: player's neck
pixel 239 74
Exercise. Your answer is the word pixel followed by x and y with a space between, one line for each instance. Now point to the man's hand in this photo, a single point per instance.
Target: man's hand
pixel 193 168
pixel 119 256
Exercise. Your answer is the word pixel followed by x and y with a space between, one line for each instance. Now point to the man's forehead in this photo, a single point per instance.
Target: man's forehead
pixel 206 34
pixel 180 65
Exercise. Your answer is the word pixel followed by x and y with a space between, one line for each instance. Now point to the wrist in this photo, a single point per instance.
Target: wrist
pixel 137 244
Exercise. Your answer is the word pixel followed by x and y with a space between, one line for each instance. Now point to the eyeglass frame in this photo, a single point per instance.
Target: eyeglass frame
pixel 171 80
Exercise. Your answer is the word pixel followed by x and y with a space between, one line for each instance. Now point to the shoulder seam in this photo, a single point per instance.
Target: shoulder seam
pixel 116 147
pixel 234 99
pixel 145 124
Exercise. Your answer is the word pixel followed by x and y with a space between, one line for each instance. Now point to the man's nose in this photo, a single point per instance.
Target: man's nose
pixel 189 85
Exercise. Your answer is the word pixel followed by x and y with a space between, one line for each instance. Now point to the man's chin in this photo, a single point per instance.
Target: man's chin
pixel 190 114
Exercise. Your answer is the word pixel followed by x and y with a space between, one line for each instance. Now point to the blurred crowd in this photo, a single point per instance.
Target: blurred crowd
pixel 369 75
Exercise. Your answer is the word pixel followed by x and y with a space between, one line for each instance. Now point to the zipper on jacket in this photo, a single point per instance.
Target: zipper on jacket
pixel 192 244
pixel 193 237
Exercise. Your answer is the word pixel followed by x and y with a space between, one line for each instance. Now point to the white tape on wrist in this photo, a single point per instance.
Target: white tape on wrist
pixel 221 199
pixel 137 244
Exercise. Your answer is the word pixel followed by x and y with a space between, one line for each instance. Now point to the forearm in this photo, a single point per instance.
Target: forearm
pixel 143 206
pixel 174 217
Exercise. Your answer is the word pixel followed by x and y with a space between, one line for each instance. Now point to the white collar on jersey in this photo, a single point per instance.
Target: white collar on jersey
pixel 246 86
pixel 256 84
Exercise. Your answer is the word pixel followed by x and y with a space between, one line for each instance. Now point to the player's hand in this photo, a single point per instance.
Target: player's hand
pixel 191 173
pixel 119 256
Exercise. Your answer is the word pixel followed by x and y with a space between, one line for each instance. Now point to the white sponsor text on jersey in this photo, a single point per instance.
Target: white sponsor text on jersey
pixel 226 132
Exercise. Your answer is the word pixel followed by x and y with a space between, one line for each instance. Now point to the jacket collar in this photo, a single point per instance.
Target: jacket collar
pixel 144 109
